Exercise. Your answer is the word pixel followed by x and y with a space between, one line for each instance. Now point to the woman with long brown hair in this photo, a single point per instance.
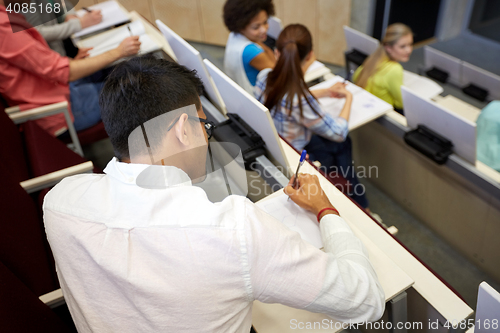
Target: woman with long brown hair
pixel 382 74
pixel 296 112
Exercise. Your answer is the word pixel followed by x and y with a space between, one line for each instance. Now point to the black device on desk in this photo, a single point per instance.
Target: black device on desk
pixel 437 74
pixel 476 92
pixel 429 143
pixel 237 131
pixel 356 57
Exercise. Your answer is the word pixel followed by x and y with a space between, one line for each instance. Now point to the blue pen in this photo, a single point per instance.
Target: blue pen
pixel 302 159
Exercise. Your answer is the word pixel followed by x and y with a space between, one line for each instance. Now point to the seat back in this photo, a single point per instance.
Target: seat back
pixel 22 240
pixel 21 310
pixel 45 153
pixel 12 152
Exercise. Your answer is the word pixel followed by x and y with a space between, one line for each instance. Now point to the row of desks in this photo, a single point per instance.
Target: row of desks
pixel 397 268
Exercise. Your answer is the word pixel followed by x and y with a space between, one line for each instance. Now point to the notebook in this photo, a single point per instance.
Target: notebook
pixel 111 39
pixel 365 106
pixel 291 215
pixel 112 14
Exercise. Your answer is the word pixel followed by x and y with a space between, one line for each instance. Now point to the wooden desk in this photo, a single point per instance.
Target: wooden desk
pixel 394 281
pixel 151 31
pixel 459 107
pixel 445 304
pixel 316 71
pixel 421 85
pixel 365 106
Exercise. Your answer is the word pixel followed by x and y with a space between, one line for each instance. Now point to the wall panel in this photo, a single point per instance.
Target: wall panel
pixel 330 44
pixel 212 22
pixel 181 16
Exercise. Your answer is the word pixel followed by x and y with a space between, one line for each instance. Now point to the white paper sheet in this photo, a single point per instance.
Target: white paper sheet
pixel 112 14
pixel 294 217
pixel 420 85
pixel 119 34
pixel 365 106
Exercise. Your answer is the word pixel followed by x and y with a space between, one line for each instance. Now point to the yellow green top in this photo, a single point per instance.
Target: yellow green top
pixel 386 82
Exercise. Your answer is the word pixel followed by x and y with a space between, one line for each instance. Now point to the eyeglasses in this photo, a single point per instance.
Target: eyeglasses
pixel 209 125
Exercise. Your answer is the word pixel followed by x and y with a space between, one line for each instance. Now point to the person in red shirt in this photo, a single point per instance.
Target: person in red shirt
pixel 33 75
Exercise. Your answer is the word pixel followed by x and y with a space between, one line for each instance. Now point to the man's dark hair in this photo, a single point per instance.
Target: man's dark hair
pixel 141 89
pixel 239 13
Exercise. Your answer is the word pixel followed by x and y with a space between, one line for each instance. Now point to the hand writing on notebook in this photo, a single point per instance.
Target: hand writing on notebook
pixel 92 18
pixel 129 46
pixel 338 90
pixel 309 195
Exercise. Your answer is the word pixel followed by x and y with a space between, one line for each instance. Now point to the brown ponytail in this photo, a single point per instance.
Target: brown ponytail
pixel 294 44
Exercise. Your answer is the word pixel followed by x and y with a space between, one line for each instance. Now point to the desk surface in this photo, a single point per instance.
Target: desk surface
pixel 365 106
pixel 276 317
pixel 445 301
pixel 151 31
pixel 459 107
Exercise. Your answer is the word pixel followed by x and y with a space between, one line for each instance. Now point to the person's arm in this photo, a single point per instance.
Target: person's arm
pixel 264 59
pixel 338 90
pixel 66 29
pixel 339 282
pixel 335 129
pixel 59 31
pixel 80 68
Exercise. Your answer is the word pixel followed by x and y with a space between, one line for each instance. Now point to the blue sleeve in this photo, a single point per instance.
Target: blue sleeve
pixel 250 52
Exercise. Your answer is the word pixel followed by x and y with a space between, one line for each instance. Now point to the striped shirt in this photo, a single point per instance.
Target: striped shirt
pixel 298 130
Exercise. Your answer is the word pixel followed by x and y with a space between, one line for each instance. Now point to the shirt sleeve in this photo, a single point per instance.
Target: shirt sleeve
pixel 339 282
pixel 394 79
pixel 59 31
pixel 261 83
pixel 251 51
pixel 335 129
pixel 25 52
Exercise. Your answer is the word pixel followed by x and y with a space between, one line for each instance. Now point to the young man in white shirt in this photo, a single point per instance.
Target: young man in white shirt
pixel 161 257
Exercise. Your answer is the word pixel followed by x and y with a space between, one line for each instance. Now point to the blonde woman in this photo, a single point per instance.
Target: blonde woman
pixel 382 74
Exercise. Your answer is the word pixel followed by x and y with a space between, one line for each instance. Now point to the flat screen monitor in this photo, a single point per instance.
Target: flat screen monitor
pixel 481 78
pixel 255 114
pixel 445 63
pixel 190 57
pixel 459 130
pixel 359 41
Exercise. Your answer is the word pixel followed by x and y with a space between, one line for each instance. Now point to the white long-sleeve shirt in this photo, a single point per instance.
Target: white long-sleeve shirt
pixel 131 259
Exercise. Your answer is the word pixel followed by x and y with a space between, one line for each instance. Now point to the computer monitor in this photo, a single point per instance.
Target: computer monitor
pixel 359 41
pixel 487 310
pixel 481 78
pixel 459 130
pixel 445 63
pixel 255 114
pixel 190 57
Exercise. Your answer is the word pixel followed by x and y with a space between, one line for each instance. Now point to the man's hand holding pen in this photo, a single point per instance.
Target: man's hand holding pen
pixel 309 195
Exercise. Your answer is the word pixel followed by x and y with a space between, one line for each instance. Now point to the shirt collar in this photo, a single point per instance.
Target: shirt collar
pixel 147 176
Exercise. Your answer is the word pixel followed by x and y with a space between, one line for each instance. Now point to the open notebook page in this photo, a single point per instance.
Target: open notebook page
pixel 112 14
pixel 111 39
pixel 365 106
pixel 294 217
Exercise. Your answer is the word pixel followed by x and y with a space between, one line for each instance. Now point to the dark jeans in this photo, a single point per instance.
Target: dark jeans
pixel 84 97
pixel 336 157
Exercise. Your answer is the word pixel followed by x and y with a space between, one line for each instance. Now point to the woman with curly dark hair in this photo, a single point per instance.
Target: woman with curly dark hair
pixel 246 55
